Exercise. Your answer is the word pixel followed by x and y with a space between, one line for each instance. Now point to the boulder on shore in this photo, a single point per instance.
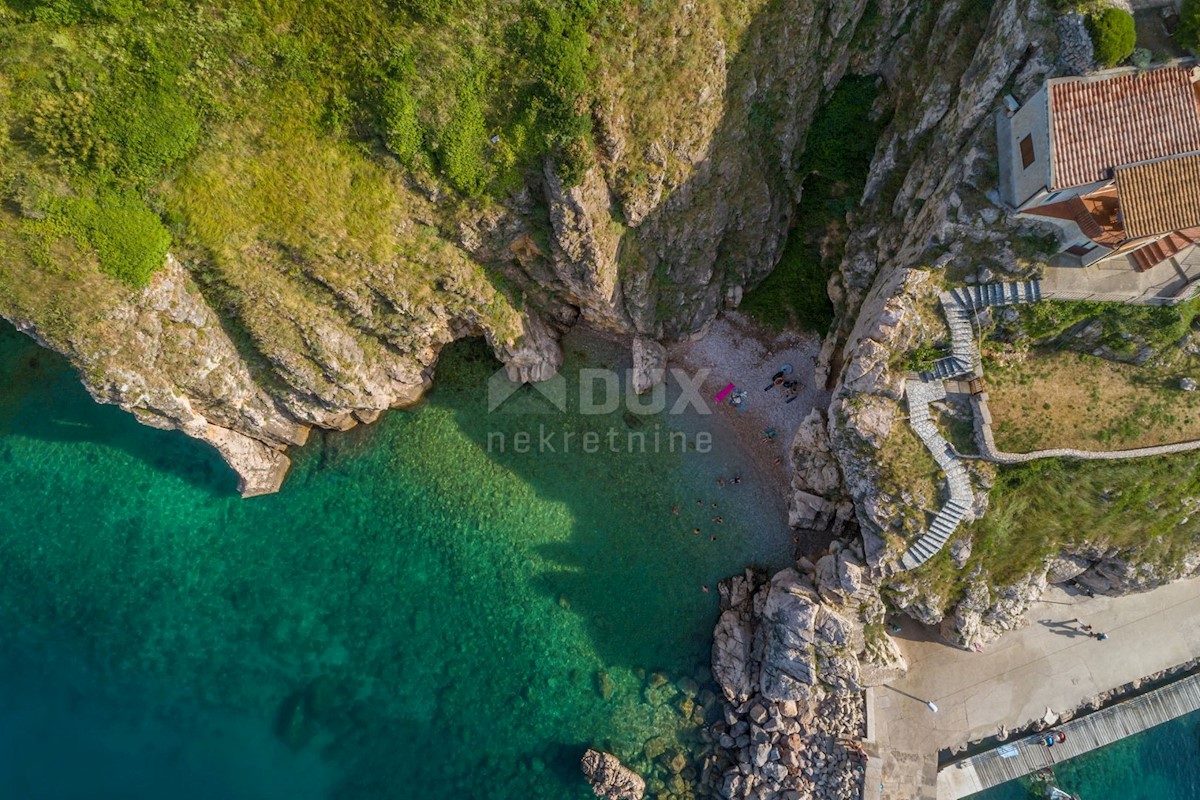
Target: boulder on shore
pixel 649 364
pixel 609 779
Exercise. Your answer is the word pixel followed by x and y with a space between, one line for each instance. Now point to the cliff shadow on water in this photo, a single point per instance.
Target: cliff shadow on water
pixel 652 526
pixel 41 397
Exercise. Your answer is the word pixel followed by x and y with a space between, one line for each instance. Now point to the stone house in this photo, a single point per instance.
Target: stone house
pixel 1112 159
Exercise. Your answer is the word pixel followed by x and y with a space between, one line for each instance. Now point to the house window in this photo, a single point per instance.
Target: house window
pixel 1081 250
pixel 1027 151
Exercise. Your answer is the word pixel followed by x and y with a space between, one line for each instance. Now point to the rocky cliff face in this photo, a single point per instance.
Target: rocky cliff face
pixel 688 203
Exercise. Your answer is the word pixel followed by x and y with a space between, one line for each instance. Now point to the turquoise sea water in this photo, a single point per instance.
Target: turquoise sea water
pixel 1162 763
pixel 411 617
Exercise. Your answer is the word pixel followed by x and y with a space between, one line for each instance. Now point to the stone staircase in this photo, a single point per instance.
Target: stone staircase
pixel 958 305
pixel 994 294
pixel 919 395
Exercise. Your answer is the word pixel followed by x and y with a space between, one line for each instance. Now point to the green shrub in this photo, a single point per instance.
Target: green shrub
pixel 1187 34
pixel 1113 35
pixel 460 150
pixel 151 128
pixel 129 239
pixel 923 358
pixel 401 129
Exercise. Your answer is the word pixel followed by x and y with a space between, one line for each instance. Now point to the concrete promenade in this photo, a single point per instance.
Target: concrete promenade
pixel 1047 665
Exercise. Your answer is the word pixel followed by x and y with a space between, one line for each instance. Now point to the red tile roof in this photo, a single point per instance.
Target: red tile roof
pixel 1161 196
pixel 1101 124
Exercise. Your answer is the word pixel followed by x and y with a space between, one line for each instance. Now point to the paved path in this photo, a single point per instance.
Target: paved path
pixel 1013 683
pixel 1119 280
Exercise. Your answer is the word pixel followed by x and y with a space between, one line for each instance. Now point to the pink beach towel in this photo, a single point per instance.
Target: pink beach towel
pixel 721 395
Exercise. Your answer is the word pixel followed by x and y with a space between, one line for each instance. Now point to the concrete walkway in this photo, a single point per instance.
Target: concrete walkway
pixel 1118 280
pixel 1044 665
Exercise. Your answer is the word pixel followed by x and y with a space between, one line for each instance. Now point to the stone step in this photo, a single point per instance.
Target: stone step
pixel 957 507
pixel 924 549
pixel 941 532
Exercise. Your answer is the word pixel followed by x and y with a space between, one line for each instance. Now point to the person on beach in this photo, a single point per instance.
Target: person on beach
pixel 736 479
pixel 1100 637
pixel 778 378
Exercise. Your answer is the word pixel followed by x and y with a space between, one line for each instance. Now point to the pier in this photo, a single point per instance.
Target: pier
pixel 1026 756
pixel 1047 666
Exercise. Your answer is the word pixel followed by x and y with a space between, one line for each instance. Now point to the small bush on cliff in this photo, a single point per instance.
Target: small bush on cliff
pixel 1187 35
pixel 1113 35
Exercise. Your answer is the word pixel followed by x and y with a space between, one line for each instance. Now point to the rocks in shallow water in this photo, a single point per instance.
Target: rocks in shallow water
pixel 604 685
pixel 609 779
pixel 654 748
pixel 302 711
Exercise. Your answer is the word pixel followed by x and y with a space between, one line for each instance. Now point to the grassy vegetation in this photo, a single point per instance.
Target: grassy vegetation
pixel 908 472
pixel 116 111
pixel 1157 326
pixel 1076 400
pixel 834 166
pixel 1143 508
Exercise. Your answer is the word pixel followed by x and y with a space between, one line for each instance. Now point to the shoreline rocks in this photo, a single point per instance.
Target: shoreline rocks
pixel 791 654
pixel 609 779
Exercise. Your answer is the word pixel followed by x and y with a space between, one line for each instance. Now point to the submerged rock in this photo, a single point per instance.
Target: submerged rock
pixel 609 779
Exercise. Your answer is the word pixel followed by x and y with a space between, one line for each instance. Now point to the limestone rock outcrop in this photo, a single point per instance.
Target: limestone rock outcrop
pixel 649 364
pixel 165 357
pixel 791 655
pixel 609 779
pixel 803 628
